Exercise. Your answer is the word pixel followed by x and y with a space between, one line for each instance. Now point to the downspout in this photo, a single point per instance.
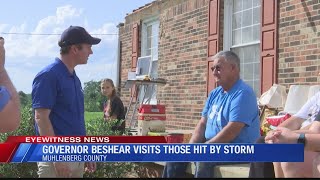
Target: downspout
pixel 118 70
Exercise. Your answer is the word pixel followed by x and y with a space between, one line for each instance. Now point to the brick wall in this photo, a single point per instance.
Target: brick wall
pixel 182 57
pixel 183 44
pixel 299 42
pixel 182 54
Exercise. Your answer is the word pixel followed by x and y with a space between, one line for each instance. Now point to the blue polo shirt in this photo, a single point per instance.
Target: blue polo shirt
pixel 239 104
pixel 55 88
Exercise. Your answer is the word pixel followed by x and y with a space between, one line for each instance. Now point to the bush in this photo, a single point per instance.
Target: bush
pixel 95 127
pixel 98 127
pixel 20 170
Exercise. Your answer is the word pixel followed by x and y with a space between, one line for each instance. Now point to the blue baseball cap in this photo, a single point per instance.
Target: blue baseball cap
pixel 76 35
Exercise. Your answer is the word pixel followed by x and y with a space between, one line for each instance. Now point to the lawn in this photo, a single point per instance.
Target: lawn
pixel 89 116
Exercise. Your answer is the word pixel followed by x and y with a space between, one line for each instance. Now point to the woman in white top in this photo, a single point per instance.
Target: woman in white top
pixel 303 127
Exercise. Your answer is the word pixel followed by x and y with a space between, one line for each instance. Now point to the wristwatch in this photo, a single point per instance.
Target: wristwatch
pixel 302 139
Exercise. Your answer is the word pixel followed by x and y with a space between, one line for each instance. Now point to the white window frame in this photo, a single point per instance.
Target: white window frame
pixel 227 30
pixel 152 95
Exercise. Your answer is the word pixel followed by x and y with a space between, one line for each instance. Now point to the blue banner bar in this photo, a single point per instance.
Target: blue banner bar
pixel 159 152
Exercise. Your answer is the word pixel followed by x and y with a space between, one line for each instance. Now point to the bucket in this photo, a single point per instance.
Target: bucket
pixel 174 138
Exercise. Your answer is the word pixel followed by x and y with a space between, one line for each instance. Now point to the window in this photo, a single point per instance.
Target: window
pixel 149 47
pixel 242 36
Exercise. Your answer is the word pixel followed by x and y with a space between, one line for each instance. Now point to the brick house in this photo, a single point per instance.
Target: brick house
pixel 278 41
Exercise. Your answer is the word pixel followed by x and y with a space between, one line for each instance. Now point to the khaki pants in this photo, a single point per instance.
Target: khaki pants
pixel 46 169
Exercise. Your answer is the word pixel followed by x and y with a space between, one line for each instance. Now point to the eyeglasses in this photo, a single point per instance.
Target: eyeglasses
pixel 218 68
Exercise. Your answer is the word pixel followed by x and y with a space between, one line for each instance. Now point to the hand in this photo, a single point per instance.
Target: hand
pixel 90 167
pixel 62 169
pixel 272 136
pixel 282 135
pixel 2 54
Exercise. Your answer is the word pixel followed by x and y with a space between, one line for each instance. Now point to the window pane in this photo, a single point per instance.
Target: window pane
pixel 148 42
pixel 247 4
pixel 247 18
pixel 236 23
pixel 155 29
pixel 154 41
pixel 247 54
pixel 257 71
pixel 249 65
pixel 154 69
pixel 155 54
pixel 256 3
pixel 256 33
pixel 237 5
pixel 256 53
pixel 247 35
pixel 236 34
pixel 149 31
pixel 248 71
pixel 256 15
pixel 256 87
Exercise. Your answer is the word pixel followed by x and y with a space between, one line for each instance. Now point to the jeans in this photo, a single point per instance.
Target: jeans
pixel 203 169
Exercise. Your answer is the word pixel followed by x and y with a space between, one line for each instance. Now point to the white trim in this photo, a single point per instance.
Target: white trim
pixel 228 37
pixel 227 30
pixel 153 22
pixel 246 44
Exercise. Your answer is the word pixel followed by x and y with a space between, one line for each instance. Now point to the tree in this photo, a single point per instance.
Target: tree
pixel 25 99
pixel 93 99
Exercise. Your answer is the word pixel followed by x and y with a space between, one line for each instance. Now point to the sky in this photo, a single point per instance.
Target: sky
pixel 32 28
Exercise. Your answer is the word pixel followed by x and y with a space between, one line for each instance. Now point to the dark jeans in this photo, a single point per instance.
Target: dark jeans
pixel 261 169
pixel 203 169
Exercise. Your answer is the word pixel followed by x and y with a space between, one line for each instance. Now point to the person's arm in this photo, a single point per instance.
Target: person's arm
pixel 43 99
pixel 285 135
pixel 198 134
pixel 228 133
pixel 10 114
pixel 293 123
pixel 45 129
pixel 312 142
pixel 43 122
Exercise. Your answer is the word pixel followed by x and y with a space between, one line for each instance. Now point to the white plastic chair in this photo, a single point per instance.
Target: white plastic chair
pixel 297 97
pixel 313 90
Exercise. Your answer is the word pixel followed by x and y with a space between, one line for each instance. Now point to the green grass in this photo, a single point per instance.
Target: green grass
pixel 89 116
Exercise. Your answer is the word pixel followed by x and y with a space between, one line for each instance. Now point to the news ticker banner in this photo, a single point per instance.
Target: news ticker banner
pixel 139 149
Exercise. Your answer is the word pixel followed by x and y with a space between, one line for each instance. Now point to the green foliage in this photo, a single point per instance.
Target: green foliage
pixel 25 99
pixel 95 125
pixel 20 170
pixel 93 99
pixel 98 127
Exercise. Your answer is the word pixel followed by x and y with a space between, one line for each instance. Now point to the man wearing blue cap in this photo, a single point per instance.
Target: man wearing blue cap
pixel 57 99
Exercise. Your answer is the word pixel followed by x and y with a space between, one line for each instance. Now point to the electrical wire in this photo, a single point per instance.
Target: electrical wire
pixel 48 34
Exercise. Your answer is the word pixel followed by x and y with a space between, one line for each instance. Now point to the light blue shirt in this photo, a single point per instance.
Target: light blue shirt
pixel 239 104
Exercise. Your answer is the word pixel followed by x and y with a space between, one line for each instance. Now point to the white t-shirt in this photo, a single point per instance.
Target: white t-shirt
pixel 309 110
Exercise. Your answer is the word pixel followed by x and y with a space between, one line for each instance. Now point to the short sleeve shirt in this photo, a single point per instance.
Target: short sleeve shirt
pixel 239 104
pixel 117 109
pixel 57 89
pixel 309 110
